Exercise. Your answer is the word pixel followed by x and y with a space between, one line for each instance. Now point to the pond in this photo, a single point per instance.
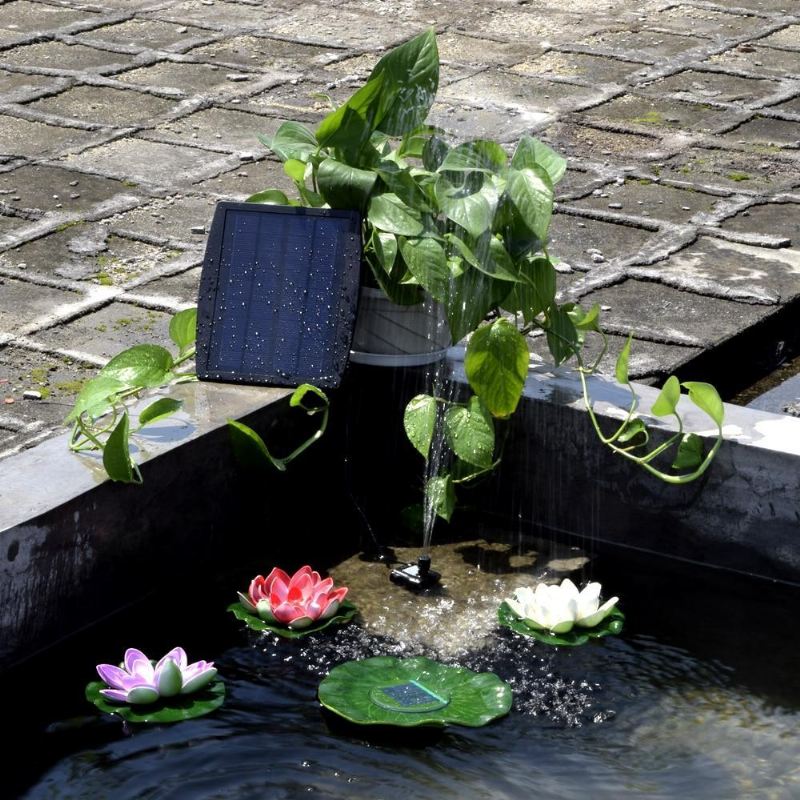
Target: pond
pixel 698 698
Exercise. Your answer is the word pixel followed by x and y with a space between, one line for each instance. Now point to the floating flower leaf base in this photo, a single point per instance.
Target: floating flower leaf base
pixel 413 691
pixel 172 709
pixel 344 613
pixel 610 626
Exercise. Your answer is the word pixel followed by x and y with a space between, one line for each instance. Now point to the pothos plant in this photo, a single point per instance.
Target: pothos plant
pixel 468 225
pixel 101 421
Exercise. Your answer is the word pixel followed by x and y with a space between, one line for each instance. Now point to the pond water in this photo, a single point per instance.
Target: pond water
pixel 698 698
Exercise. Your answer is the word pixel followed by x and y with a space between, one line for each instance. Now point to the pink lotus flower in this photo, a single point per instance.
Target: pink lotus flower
pixel 140 681
pixel 296 602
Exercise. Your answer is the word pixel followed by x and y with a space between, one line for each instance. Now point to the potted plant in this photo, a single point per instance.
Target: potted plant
pixel 457 229
pixel 463 228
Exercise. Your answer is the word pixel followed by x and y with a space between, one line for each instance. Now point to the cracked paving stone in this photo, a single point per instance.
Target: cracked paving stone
pixel 21 137
pixel 217 127
pixel 332 26
pixel 170 218
pixel 552 27
pixel 661 114
pixel 144 33
pixel 116 107
pixel 465 123
pixel 9 224
pixel 646 198
pixel 597 69
pixel 87 252
pixel 571 237
pixel 670 316
pixel 649 362
pixel 731 170
pixel 58 379
pixel 181 288
pixel 240 183
pixel 221 15
pixel 774 219
pixel 35 185
pixel 596 144
pixel 256 51
pixel 576 183
pixel 712 86
pixel 105 332
pixel 61 56
pixel 24 16
pixel 518 91
pixel 458 48
pixel 742 270
pixel 706 22
pixel 787 37
pixel 23 302
pixel 140 160
pixel 643 44
pixel 184 76
pixel 298 100
pixel 18 83
pixel 764 130
pixel 764 61
pixel 791 106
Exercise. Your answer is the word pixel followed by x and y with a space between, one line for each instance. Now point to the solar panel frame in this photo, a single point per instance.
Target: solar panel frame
pixel 278 295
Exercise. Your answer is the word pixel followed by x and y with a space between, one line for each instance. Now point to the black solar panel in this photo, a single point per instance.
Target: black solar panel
pixel 278 294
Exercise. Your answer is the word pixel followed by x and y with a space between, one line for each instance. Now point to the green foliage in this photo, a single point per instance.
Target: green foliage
pixel 496 365
pixel 440 496
pixel 467 226
pixel 100 417
pixel 419 421
pixel 252 452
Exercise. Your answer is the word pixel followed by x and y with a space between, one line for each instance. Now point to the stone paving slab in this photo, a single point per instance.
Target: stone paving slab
pixel 26 138
pixel 65 58
pixel 39 189
pixel 144 161
pixel 647 198
pixel 105 332
pixel 145 34
pixel 106 105
pixel 87 252
pixel 122 122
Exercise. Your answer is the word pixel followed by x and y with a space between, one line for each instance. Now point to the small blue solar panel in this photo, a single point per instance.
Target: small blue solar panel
pixel 410 694
pixel 278 295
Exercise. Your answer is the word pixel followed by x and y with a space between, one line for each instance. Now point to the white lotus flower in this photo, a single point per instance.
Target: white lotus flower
pixel 558 608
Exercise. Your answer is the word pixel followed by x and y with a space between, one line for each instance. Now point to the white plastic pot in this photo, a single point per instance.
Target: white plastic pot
pixel 391 335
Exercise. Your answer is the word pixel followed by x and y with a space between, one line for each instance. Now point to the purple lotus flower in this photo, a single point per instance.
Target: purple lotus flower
pixel 141 681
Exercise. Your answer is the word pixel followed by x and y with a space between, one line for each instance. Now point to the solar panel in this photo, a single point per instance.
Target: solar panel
pixel 278 294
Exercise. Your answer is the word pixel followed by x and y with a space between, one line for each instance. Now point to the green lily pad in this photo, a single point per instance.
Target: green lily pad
pixel 345 613
pixel 170 709
pixel 413 691
pixel 610 626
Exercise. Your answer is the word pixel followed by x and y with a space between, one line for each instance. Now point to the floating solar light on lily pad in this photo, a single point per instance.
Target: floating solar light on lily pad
pixel 278 294
pixel 413 691
pixel 293 606
pixel 170 690
pixel 560 614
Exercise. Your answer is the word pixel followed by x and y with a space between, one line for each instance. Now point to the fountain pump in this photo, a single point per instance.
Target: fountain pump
pixel 416 576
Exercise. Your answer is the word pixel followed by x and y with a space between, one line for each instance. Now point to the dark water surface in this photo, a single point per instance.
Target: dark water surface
pixel 699 698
